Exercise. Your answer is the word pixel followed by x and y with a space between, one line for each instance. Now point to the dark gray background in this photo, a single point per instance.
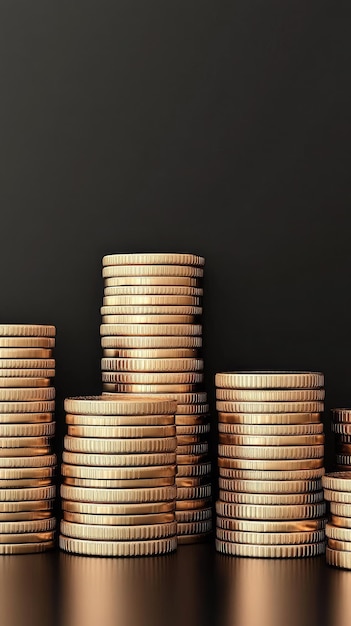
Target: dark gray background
pixel 220 128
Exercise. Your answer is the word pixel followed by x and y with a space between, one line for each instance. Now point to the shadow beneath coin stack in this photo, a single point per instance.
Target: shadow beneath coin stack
pixel 151 591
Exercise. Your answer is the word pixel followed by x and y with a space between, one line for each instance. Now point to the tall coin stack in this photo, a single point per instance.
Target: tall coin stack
pixel 151 339
pixel 337 490
pixel 341 426
pixel 270 464
pixel 27 464
pixel 118 495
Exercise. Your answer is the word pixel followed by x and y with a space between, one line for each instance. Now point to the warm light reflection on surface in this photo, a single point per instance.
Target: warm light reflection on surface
pixel 339 597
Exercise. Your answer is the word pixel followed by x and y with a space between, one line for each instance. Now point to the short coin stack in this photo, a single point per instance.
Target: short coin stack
pixel 27 465
pixel 337 489
pixel 151 338
pixel 270 464
pixel 341 426
pixel 118 495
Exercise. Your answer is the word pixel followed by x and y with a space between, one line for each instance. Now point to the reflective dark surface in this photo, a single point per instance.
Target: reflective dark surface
pixel 194 587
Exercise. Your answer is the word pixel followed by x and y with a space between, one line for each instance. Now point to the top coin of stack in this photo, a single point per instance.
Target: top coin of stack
pixel 341 426
pixel 271 446
pixel 151 337
pixel 27 465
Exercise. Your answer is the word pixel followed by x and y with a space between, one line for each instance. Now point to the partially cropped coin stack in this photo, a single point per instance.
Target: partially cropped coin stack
pixel 271 446
pixel 118 494
pixel 337 490
pixel 27 465
pixel 151 340
pixel 341 426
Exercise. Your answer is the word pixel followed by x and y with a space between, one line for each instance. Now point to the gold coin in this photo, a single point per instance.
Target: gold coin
pixel 270 498
pixel 23 442
pixel 270 512
pixel 24 516
pixel 155 353
pixel 271 440
pixel 27 364
pixel 341 428
pixel 341 415
pixel 28 430
pixel 275 551
pixel 191 481
pixel 337 481
pixel 163 258
pixel 119 421
pixel 196 398
pixel 271 429
pixel 269 407
pixel 134 328
pixel 344 460
pixel 152 365
pixel 25 353
pixel 191 420
pixel 25 482
pixel 139 508
pixel 145 315
pixel 117 548
pixel 344 439
pixel 193 409
pixel 272 526
pixel 156 301
pixel 17 419
pixel 10 453
pixel 122 432
pixel 24 382
pixel 271 475
pixel 185 440
pixel 22 506
pixel 337 558
pixel 20 373
pixel 27 330
pixel 39 406
pixel 270 395
pixel 343 522
pixel 190 539
pixel 196 429
pixel 269 419
pixel 185 505
pixel 26 394
pixel 193 448
pixel 271 452
pixel 26 548
pixel 19 495
pixel 118 533
pixel 337 496
pixel 119 520
pixel 344 449
pixel 26 473
pixel 269 380
pixel 153 290
pixel 261 464
pixel 191 459
pixel 184 281
pixel 270 539
pixel 45 460
pixel 194 528
pixel 34 526
pixel 151 378
pixel 200 469
pixel 193 516
pixel 254 486
pixel 149 389
pixel 194 493
pixel 120 484
pixel 117 460
pixel 120 405
pixel 120 446
pixel 335 532
pixel 152 270
pixel 117 496
pixel 336 544
pixel 26 538
pixel 27 342
pixel 157 472
pixel 151 343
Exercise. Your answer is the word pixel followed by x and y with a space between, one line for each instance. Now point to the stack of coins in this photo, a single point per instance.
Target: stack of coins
pixel 337 489
pixel 118 494
pixel 270 464
pixel 27 465
pixel 341 426
pixel 151 339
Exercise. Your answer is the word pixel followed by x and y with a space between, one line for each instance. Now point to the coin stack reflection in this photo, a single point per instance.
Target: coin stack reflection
pixel 151 338
pixel 341 426
pixel 27 465
pixel 271 446
pixel 118 494
pixel 337 490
